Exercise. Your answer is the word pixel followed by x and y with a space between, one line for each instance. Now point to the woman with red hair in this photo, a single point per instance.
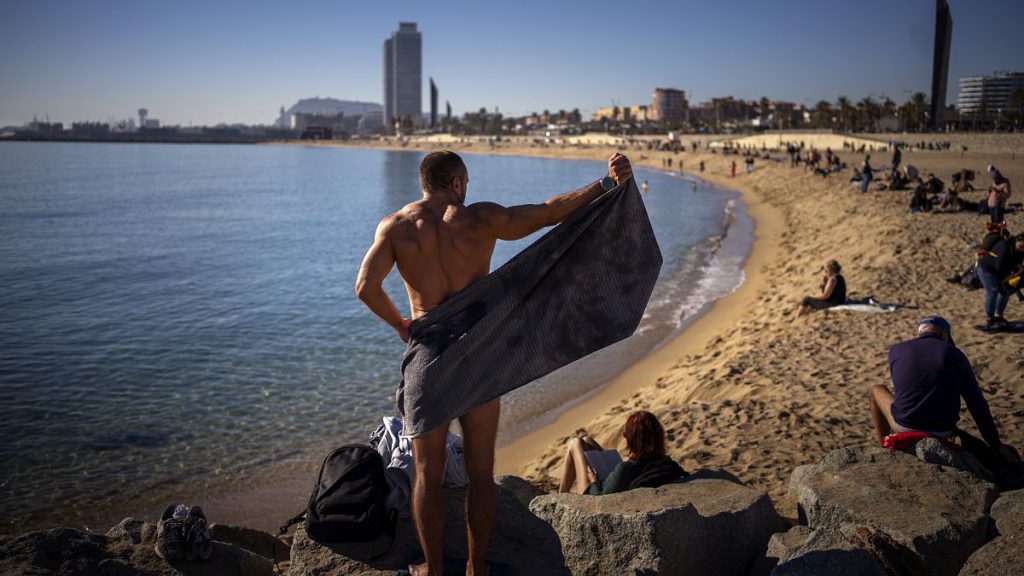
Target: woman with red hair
pixel 646 464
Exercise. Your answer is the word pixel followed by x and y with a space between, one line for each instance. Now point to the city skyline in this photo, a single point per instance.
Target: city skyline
pixel 194 63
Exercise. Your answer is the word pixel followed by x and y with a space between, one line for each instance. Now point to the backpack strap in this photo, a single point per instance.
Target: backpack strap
pixel 291 522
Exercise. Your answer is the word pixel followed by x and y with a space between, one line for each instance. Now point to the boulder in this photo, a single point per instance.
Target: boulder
pixel 823 551
pixel 907 508
pixel 932 451
pixel 132 531
pixel 681 528
pixel 255 541
pixel 1005 553
pixel 521 543
pixel 70 552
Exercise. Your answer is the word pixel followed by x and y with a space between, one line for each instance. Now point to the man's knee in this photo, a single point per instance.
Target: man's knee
pixel 879 392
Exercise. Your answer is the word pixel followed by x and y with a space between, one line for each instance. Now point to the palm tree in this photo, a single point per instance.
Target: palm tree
pixel 918 108
pixel 889 108
pixel 843 103
pixel 765 104
pixel 822 114
pixel 867 110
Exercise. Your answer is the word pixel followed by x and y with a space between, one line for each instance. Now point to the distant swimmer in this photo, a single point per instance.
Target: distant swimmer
pixel 693 184
pixel 644 186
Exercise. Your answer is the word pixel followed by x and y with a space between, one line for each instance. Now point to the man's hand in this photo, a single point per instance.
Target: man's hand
pixel 403 329
pixel 619 168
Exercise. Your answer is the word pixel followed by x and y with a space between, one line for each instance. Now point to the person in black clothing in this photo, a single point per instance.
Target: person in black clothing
pixel 998 258
pixel 646 466
pixel 929 376
pixel 833 290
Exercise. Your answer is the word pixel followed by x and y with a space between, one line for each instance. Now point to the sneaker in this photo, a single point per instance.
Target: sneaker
pixel 170 536
pixel 198 543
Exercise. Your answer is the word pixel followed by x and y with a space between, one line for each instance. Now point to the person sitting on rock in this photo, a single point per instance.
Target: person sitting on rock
pixel 646 466
pixel 833 290
pixel 929 375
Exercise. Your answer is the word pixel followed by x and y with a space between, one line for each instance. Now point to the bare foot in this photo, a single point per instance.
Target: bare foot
pixel 420 569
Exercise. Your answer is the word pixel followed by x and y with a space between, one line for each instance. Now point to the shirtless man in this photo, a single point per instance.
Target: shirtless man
pixel 998 192
pixel 441 245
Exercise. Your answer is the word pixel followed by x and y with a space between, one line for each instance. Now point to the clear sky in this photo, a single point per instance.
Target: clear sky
pixel 212 61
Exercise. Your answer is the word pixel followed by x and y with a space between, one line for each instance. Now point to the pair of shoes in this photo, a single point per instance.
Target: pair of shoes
pixel 182 533
pixel 999 322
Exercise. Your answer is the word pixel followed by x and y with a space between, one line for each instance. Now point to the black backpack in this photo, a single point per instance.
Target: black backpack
pixel 347 503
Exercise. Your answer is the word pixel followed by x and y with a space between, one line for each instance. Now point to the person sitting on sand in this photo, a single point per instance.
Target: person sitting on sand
pixel 998 192
pixel 646 465
pixel 929 375
pixel 833 290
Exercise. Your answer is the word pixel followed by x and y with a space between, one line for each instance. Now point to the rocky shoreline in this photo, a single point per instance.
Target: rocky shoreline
pixel 861 511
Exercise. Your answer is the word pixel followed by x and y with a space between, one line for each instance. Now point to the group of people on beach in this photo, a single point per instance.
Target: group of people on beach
pixel 929 373
pixel 441 246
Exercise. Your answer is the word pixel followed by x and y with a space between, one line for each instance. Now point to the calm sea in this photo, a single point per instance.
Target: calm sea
pixel 173 313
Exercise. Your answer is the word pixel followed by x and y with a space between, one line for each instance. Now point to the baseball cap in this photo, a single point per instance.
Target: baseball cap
pixel 940 322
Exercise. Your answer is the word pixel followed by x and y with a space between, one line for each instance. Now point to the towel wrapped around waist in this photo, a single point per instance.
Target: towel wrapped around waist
pixel 582 286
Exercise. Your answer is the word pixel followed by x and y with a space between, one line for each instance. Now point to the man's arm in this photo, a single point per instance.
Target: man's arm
pixel 977 405
pixel 515 222
pixel 376 266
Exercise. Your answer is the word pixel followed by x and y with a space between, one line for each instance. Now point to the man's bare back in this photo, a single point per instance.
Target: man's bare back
pixel 442 246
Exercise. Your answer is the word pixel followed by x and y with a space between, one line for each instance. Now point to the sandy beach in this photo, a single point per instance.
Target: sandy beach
pixel 751 388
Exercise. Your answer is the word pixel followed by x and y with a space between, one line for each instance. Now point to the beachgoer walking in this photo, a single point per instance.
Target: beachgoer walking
pixel 733 172
pixel 866 174
pixel 897 157
pixel 998 192
pixel 999 257
pixel 701 165
pixel 441 246
pixel 833 290
pixel 929 375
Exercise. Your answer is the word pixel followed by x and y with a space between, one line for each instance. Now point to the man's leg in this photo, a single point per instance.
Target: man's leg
pixel 479 430
pixel 428 509
pixel 881 411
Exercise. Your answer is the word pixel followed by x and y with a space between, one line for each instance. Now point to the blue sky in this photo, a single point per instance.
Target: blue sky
pixel 207 62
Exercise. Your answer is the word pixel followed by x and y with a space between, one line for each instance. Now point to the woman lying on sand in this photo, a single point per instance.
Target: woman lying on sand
pixel 588 467
pixel 833 290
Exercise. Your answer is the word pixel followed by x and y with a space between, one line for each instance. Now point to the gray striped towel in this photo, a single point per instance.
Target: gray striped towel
pixel 582 286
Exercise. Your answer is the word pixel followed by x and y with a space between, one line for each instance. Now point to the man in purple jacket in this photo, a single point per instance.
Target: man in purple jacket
pixel 929 376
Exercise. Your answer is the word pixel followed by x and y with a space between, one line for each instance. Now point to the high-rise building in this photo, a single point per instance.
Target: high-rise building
pixel 668 106
pixel 989 93
pixel 403 75
pixel 940 61
pixel 433 104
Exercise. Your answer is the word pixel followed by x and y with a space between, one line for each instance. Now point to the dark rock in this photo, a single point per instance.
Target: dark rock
pixel 1004 555
pixel 936 513
pixel 132 531
pixel 827 552
pixel 255 541
pixel 521 543
pixel 71 552
pixel 931 451
pixel 679 528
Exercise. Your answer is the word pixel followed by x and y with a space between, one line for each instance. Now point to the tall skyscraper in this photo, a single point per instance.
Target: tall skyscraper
pixel 940 61
pixel 403 75
pixel 433 104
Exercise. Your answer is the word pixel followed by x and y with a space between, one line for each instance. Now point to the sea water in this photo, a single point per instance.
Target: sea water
pixel 175 313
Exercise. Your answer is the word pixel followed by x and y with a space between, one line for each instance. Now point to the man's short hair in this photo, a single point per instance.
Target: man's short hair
pixel 438 170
